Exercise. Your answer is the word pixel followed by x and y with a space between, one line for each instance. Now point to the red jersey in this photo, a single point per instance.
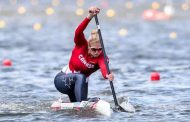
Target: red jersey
pixel 80 60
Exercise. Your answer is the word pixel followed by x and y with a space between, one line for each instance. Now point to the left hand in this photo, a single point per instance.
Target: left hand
pixel 110 76
pixel 92 11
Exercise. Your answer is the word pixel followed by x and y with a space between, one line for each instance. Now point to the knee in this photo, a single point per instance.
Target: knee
pixel 58 77
pixel 58 80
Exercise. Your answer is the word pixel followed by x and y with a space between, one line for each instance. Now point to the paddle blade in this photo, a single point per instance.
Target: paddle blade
pixel 126 106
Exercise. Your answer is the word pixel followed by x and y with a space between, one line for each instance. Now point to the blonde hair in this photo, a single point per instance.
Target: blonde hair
pixel 94 37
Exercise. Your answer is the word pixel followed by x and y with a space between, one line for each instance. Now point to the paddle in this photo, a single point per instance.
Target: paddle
pixel 118 107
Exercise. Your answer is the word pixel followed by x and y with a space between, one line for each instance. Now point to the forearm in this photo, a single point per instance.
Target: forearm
pixel 82 26
pixel 92 12
pixel 79 35
pixel 90 16
pixel 79 38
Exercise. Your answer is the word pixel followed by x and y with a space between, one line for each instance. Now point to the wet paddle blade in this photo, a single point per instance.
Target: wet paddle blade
pixel 125 105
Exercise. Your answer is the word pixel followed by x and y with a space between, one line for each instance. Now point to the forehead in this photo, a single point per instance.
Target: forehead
pixel 96 45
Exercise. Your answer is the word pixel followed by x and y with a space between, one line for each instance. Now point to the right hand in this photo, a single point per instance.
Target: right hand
pixel 93 11
pixel 110 77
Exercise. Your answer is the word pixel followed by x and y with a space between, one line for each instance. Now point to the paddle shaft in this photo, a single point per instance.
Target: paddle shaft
pixel 105 60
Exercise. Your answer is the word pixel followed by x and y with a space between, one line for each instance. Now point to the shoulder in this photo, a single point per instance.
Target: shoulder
pixel 101 57
pixel 83 46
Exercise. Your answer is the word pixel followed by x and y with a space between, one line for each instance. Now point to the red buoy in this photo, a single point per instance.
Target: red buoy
pixel 155 76
pixel 7 62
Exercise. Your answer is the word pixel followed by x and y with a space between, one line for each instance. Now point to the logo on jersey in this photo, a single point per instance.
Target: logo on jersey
pixel 83 60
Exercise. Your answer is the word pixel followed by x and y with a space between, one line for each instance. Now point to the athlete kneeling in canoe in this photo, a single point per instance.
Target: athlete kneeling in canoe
pixel 86 58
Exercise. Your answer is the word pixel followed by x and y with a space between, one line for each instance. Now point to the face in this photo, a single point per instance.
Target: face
pixel 95 49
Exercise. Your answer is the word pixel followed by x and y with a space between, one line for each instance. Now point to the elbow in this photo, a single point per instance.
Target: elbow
pixel 76 33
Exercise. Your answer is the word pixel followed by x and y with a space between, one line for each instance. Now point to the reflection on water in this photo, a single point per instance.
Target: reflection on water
pixel 27 89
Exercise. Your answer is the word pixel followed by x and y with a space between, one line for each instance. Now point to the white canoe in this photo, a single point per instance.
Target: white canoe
pixel 100 106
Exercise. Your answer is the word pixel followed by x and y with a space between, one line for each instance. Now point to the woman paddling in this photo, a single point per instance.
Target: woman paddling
pixel 86 58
